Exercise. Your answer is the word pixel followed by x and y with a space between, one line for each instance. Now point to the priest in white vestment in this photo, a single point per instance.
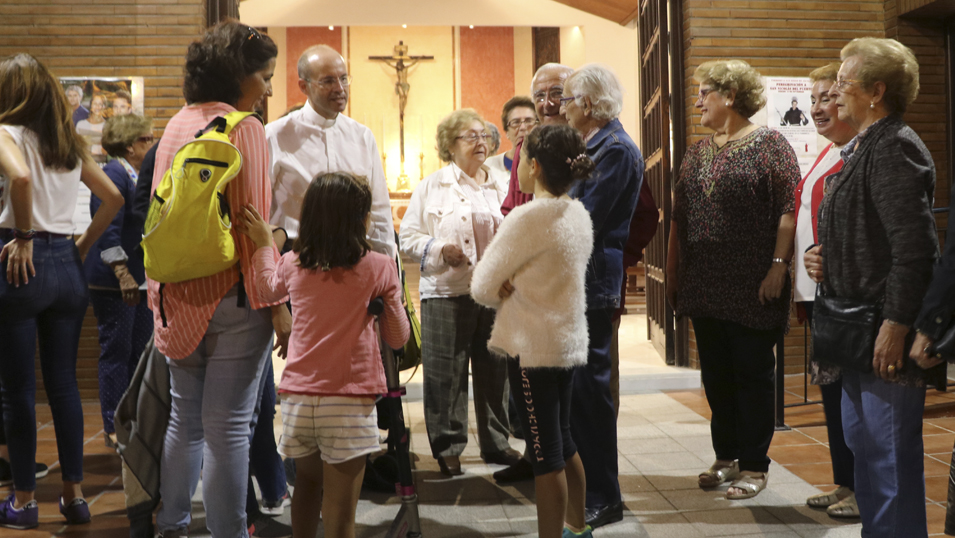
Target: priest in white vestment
pixel 318 138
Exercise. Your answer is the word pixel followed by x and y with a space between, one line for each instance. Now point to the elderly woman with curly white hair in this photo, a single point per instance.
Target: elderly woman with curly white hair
pixel 593 98
pixel 731 241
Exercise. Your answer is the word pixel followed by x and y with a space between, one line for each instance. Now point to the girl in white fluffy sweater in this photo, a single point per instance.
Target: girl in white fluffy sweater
pixel 533 274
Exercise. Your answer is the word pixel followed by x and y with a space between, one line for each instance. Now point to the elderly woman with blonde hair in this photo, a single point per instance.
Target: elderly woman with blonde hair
pixel 451 219
pixel 731 241
pixel 877 244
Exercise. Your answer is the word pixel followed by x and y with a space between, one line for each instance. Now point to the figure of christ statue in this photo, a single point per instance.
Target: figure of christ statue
pixel 401 62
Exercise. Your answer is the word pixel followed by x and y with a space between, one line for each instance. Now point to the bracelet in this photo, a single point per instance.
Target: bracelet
pixel 780 260
pixel 24 235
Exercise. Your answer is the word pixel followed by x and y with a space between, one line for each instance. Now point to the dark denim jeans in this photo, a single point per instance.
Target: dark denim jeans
pixel 49 309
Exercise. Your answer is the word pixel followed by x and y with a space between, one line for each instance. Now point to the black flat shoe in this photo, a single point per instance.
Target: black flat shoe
pixel 519 472
pixel 507 457
pixel 450 465
pixel 604 515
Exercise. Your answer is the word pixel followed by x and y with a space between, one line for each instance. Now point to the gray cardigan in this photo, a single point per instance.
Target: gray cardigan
pixel 875 222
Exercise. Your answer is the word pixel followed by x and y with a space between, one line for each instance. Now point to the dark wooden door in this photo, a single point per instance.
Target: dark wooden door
pixel 655 145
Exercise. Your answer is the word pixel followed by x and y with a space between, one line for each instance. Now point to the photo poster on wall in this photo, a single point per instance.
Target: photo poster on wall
pixel 788 100
pixel 94 100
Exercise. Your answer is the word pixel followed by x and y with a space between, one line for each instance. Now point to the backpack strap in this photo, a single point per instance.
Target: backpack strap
pixel 162 311
pixel 231 120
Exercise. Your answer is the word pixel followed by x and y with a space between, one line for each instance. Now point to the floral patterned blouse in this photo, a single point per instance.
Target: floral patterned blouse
pixel 727 204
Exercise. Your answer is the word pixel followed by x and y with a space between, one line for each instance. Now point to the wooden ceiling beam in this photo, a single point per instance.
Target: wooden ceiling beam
pixel 619 11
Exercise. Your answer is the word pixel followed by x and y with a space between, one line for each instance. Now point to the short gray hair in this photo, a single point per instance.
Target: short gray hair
pixel 74 88
pixel 890 62
pixel 493 138
pixel 599 84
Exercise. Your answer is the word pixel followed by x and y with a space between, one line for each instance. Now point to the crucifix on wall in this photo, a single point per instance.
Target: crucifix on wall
pixel 401 61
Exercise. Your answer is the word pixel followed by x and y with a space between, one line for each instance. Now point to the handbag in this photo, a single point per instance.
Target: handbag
pixel 944 347
pixel 844 331
pixel 409 356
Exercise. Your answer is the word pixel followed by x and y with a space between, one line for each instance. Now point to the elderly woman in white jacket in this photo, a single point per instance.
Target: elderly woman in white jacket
pixel 451 219
pixel 534 275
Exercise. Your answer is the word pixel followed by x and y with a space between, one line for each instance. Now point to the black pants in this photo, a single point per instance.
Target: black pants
pixel 737 365
pixel 593 421
pixel 543 405
pixel 843 462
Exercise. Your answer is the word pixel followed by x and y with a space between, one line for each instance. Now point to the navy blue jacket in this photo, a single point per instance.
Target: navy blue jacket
pixel 938 307
pixel 125 231
pixel 610 195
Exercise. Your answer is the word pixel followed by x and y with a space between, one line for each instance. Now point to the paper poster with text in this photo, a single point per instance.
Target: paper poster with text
pixel 788 100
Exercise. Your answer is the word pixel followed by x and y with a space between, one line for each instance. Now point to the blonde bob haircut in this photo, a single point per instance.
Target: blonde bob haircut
pixel 889 62
pixel 599 84
pixel 728 75
pixel 120 132
pixel 827 72
pixel 451 127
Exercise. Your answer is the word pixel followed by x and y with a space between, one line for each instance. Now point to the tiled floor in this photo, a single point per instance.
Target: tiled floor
pixel 664 443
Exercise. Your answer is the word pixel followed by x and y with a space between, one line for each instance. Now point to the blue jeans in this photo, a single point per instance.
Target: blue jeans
pixel 123 333
pixel 214 392
pixel 50 308
pixel 883 427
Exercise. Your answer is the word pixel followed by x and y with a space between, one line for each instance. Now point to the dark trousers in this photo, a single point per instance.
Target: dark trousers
pixel 543 405
pixel 49 309
pixel 737 365
pixel 123 333
pixel 593 424
pixel 843 461
pixel 263 454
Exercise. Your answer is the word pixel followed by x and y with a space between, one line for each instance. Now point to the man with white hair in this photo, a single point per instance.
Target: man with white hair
pixel 74 94
pixel 592 101
pixel 318 138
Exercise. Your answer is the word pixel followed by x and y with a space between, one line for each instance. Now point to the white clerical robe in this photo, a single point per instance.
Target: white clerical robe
pixel 304 144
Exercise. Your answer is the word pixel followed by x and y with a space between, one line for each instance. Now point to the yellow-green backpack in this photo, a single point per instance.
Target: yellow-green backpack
pixel 188 227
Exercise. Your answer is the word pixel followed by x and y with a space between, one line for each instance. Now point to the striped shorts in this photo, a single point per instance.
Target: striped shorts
pixel 340 427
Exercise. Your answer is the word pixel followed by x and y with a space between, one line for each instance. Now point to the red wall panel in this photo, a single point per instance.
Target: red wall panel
pixel 299 38
pixel 487 72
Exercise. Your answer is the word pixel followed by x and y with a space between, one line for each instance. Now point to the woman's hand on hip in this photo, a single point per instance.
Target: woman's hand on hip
pixel 453 255
pixel 813 260
pixel 772 286
pixel 889 350
pixel 19 257
pixel 920 352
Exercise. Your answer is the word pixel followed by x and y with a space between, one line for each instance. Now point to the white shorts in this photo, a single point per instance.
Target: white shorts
pixel 340 427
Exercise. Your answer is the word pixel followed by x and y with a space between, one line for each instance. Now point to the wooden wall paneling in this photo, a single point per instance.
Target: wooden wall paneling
pixel 546 45
pixel 487 72
pixel 299 38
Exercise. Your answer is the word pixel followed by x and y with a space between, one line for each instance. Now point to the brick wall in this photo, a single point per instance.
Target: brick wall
pixel 146 38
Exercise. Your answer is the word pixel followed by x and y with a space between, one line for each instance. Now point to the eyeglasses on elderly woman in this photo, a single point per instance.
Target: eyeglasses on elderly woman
pixel 472 137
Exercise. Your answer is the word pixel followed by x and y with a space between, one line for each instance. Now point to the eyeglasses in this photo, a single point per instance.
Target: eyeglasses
pixel 565 100
pixel 518 122
pixel 472 138
pixel 344 80
pixel 704 92
pixel 553 95
pixel 147 139
pixel 843 82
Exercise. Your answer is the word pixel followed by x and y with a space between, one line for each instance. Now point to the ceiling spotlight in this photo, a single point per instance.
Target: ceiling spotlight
pixel 404 25
pixel 471 27
pixel 331 27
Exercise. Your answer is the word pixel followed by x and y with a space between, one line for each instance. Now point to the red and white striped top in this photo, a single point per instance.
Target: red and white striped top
pixel 189 305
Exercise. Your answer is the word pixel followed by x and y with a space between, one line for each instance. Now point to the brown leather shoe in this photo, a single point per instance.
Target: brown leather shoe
pixel 450 465
pixel 508 457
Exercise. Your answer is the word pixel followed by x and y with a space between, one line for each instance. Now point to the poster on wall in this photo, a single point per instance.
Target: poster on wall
pixel 94 100
pixel 788 100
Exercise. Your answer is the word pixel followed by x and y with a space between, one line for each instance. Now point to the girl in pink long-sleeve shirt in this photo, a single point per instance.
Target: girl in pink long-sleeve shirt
pixel 334 370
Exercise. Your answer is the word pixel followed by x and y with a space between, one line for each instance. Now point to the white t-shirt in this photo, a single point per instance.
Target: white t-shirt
pixel 805 287
pixel 54 191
